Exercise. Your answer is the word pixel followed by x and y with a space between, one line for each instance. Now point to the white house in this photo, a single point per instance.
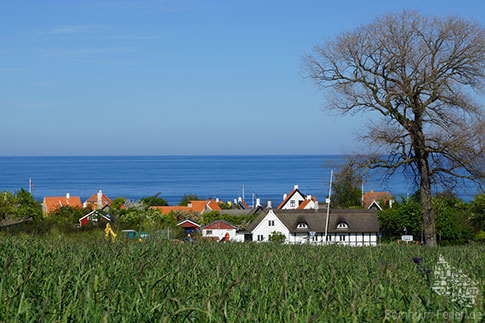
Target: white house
pixel 346 227
pixel 293 200
pixel 219 229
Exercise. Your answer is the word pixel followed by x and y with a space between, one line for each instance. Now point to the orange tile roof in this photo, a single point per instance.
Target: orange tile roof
pixel 168 209
pixel 303 204
pixel 287 198
pixel 93 200
pixel 213 205
pixel 52 203
pixel 197 206
pixel 372 196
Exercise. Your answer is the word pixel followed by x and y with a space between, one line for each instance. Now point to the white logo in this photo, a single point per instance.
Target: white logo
pixel 454 284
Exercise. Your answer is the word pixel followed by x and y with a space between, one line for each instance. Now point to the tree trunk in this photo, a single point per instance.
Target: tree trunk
pixel 426 200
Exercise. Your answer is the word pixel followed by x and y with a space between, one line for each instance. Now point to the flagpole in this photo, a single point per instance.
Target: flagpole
pixel 30 185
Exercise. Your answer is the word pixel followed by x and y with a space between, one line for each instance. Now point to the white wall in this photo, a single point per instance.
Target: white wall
pixel 265 229
pixel 351 239
pixel 220 233
pixel 296 198
pixel 239 237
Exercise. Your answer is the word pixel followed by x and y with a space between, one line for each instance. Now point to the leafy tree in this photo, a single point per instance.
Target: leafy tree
pixel 154 201
pixel 27 206
pixel 449 214
pixel 67 215
pixel 239 220
pixel 187 198
pixel 346 190
pixel 404 214
pixel 477 212
pixel 8 205
pixel 180 215
pixel 416 76
pixel 117 203
pixel 224 206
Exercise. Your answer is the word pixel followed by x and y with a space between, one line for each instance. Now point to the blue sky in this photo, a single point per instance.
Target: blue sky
pixel 175 77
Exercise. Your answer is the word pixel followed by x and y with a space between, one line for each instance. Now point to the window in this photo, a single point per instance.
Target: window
pixel 314 238
pixel 292 203
pixel 208 232
pixel 271 223
pixel 260 237
pixel 329 238
pixel 302 225
pixel 342 238
pixel 342 225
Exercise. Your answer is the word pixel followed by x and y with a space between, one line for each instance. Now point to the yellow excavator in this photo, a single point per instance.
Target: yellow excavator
pixel 109 232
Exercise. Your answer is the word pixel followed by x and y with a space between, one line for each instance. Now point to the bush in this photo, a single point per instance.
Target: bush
pixel 277 237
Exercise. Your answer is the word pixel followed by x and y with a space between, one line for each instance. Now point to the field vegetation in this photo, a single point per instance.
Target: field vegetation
pixel 68 279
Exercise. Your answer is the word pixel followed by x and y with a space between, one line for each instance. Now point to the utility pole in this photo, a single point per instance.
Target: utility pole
pixel 328 206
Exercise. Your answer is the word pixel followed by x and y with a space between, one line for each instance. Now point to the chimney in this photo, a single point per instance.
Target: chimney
pixel 285 196
pixel 235 201
pixel 316 205
pixel 308 197
pixel 269 204
pixel 85 205
pixel 217 200
pixel 239 199
pixel 372 190
pixel 295 187
pixel 67 195
pixel 258 202
pixel 99 204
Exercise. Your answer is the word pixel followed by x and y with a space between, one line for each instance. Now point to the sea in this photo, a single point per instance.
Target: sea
pixel 223 177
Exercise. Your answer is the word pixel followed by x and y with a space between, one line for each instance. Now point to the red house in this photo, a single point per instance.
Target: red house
pixel 189 225
pixel 94 217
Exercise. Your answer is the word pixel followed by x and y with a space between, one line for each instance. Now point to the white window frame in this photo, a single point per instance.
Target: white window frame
pixel 270 223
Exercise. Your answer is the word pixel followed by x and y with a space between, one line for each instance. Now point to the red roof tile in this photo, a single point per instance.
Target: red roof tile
pixel 372 196
pixel 52 203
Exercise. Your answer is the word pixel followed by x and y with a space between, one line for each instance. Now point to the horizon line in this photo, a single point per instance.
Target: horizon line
pixel 181 155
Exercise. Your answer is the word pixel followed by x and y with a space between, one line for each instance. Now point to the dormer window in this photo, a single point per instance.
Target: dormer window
pixel 302 225
pixel 342 225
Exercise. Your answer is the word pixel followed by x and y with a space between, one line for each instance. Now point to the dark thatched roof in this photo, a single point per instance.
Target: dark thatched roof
pixel 358 221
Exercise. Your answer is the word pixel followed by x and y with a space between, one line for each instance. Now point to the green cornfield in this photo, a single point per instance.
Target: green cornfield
pixel 62 279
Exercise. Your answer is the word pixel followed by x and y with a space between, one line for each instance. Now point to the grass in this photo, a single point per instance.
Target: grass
pixel 63 279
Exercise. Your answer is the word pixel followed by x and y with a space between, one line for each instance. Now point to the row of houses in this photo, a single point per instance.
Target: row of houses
pixel 299 218
pixel 296 200
pixel 96 201
pixel 345 227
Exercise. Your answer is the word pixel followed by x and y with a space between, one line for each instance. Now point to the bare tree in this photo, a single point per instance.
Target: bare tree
pixel 422 79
